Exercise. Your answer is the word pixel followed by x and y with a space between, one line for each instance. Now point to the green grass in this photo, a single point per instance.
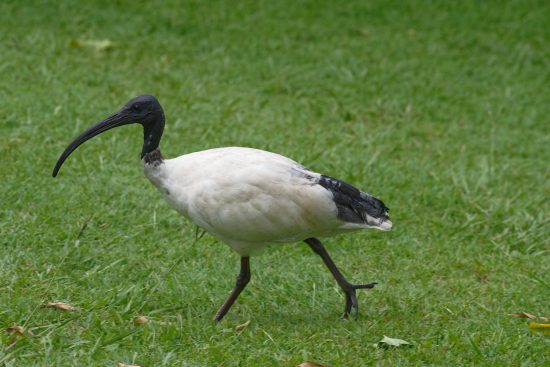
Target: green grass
pixel 439 108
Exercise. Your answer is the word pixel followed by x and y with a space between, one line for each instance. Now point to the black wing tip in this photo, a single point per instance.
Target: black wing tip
pixel 353 204
pixel 380 210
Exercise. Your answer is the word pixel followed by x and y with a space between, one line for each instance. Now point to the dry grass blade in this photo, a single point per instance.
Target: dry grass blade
pixel 19 332
pixel 242 326
pixel 524 314
pixel 126 365
pixel 61 306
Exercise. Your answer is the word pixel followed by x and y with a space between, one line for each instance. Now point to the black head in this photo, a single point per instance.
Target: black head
pixel 145 110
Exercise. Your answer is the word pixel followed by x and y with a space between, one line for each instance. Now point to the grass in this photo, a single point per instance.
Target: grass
pixel 439 108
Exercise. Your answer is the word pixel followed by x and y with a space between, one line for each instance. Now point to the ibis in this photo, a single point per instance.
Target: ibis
pixel 248 198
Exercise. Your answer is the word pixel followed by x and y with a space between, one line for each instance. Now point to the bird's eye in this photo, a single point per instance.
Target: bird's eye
pixel 136 107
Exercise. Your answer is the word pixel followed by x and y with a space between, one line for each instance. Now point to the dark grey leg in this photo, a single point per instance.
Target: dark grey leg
pixel 348 288
pixel 242 280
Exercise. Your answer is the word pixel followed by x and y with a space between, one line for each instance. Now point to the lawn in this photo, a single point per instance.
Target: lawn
pixel 441 109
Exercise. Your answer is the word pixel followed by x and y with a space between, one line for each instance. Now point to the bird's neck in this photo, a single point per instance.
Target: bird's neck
pixel 153 158
pixel 151 139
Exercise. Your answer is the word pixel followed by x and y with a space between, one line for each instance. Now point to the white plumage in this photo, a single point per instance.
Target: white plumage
pixel 248 198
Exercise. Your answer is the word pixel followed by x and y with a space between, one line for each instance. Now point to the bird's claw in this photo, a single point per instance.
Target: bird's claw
pixel 351 298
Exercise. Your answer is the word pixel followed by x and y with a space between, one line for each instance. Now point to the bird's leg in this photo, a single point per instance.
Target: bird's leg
pixel 348 288
pixel 242 280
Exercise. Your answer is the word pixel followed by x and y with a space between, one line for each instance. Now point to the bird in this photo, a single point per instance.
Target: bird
pixel 248 198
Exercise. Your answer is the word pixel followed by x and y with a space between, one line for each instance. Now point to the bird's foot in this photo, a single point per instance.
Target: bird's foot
pixel 351 298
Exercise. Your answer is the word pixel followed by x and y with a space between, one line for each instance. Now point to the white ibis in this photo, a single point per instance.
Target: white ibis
pixel 248 198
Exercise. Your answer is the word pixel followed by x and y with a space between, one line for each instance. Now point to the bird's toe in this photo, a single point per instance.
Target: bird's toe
pixel 351 298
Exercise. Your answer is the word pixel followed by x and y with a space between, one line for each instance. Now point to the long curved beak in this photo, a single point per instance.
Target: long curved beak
pixel 118 118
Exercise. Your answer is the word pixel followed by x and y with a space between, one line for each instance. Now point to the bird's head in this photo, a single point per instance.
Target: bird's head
pixel 145 110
